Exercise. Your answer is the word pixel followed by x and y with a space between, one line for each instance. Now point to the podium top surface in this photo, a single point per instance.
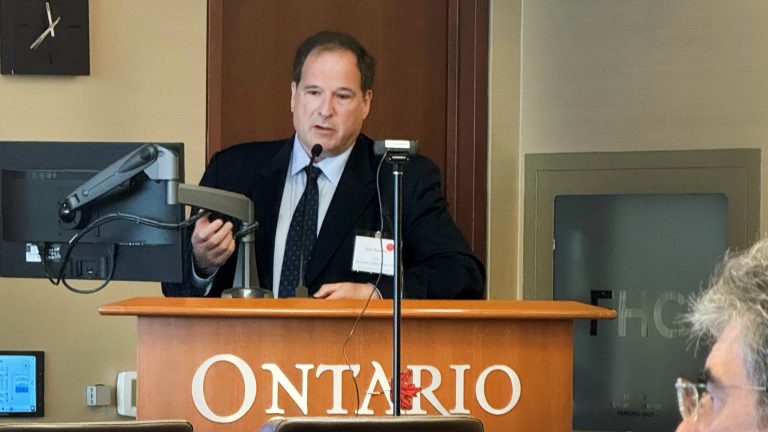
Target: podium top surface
pixel 312 308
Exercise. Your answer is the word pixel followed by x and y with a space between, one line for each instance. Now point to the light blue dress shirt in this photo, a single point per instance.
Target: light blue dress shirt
pixel 295 183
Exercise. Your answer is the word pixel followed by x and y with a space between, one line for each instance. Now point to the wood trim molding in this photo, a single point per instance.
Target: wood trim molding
pixel 466 172
pixel 213 88
pixel 308 308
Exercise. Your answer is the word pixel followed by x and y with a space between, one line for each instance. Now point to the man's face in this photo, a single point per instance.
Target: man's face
pixel 733 405
pixel 328 104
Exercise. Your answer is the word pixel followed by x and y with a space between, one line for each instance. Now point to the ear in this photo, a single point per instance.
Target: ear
pixel 367 98
pixel 293 94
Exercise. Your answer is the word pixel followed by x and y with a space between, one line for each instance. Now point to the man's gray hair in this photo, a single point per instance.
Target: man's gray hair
pixel 738 294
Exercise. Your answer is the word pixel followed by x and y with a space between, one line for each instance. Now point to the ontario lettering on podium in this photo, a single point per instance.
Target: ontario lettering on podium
pixel 271 378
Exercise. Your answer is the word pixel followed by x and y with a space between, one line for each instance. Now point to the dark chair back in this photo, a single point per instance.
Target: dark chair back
pixel 374 424
pixel 118 426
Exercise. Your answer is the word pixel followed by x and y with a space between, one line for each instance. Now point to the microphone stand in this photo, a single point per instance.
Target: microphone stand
pixel 301 289
pixel 397 160
pixel 397 152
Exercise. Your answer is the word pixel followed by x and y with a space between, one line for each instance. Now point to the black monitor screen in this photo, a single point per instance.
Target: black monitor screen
pixel 36 177
pixel 21 383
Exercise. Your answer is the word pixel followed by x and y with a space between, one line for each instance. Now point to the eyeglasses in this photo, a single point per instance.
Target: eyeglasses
pixel 693 399
pixel 689 396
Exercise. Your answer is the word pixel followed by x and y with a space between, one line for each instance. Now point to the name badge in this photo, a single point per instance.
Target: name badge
pixel 368 255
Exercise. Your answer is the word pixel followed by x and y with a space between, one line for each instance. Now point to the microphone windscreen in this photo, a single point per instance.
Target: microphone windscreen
pixel 316 150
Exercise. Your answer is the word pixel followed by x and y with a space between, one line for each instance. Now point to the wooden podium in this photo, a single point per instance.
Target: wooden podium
pixel 231 364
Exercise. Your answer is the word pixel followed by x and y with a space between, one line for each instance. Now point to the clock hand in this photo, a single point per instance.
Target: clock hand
pixel 42 37
pixel 50 21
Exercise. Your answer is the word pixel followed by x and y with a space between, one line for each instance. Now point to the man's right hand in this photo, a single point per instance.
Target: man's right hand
pixel 212 243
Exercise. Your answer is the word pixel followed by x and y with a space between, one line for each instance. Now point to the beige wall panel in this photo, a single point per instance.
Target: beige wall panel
pixel 147 83
pixel 640 75
pixel 504 217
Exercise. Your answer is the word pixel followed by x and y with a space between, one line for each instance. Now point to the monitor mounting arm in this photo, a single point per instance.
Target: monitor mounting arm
pixel 161 164
pixel 158 162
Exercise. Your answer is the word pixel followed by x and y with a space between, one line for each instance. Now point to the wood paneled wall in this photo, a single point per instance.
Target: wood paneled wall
pixel 431 80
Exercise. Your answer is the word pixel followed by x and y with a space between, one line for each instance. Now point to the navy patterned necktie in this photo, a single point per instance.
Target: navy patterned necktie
pixel 289 276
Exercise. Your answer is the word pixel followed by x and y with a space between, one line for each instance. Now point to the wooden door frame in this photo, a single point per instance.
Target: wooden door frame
pixel 467 123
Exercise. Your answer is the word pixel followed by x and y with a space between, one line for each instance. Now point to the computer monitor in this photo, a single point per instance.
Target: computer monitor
pixel 37 177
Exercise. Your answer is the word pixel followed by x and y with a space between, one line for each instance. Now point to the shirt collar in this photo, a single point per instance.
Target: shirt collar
pixel 332 166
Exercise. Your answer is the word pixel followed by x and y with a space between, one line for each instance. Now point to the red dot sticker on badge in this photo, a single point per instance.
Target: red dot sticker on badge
pixel 390 247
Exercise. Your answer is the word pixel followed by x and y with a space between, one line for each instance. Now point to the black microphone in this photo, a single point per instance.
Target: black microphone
pixel 301 289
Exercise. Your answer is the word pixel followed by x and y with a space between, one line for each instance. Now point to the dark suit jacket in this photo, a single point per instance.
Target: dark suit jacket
pixel 437 260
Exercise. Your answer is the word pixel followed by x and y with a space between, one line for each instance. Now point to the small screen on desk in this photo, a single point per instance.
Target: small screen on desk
pixel 21 383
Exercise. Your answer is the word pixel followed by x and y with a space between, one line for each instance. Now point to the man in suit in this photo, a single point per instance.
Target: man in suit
pixel 732 392
pixel 331 96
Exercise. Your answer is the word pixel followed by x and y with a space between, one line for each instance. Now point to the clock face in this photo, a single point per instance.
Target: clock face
pixel 44 37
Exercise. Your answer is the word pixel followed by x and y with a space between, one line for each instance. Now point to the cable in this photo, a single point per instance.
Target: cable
pixel 246 229
pixel 111 217
pixel 375 285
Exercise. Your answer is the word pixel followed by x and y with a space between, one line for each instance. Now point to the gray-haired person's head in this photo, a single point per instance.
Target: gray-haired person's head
pixel 738 294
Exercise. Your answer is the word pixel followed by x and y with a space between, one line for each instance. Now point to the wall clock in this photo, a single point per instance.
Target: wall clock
pixel 44 37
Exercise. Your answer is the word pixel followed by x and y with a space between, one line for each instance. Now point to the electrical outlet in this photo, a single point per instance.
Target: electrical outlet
pixel 97 395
